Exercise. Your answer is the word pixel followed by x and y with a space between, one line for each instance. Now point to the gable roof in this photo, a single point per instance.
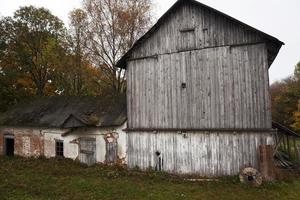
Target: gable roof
pixel 67 112
pixel 274 48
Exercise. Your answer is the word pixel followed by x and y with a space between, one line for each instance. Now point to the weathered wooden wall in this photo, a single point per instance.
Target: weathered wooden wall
pixel 226 87
pixel 198 71
pixel 225 72
pixel 203 153
pixel 210 30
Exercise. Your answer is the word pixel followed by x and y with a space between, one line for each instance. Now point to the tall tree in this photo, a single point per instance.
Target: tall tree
pixel 297 71
pixel 296 118
pixel 12 89
pixel 285 95
pixel 75 75
pixel 113 27
pixel 34 39
pixel 78 26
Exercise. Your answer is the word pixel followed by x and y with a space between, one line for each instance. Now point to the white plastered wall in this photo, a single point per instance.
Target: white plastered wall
pixel 51 136
pixel 71 148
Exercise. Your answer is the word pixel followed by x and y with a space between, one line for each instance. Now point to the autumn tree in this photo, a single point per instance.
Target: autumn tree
pixel 39 57
pixel 285 96
pixel 75 75
pixel 33 37
pixel 296 114
pixel 284 101
pixel 296 117
pixel 78 26
pixel 12 89
pixel 113 27
pixel 297 71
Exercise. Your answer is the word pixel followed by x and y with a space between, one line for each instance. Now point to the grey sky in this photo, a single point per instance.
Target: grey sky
pixel 275 17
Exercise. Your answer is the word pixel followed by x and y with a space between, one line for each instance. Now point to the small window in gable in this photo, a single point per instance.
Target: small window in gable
pixel 187 39
pixel 59 148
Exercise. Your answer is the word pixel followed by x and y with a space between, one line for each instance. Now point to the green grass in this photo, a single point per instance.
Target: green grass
pixel 22 178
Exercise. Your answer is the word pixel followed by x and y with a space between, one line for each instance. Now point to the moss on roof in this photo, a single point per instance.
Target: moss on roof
pixel 54 111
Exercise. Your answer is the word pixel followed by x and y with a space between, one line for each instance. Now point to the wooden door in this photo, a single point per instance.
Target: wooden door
pixel 111 151
pixel 87 150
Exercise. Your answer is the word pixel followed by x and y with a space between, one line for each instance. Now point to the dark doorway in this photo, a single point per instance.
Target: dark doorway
pixel 9 146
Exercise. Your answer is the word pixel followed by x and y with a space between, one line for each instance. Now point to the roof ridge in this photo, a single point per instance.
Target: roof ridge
pixel 122 61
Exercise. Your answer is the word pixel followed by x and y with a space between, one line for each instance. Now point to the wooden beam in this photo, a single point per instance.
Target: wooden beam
pixel 296 151
pixel 197 130
pixel 284 144
pixel 289 146
pixel 155 56
pixel 266 165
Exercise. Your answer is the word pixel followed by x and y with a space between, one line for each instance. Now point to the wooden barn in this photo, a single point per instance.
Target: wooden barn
pixel 198 97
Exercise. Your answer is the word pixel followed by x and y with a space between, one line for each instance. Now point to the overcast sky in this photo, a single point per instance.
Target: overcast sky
pixel 275 17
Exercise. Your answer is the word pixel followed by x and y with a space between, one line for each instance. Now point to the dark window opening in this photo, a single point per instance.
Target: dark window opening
pixel 59 148
pixel 159 161
pixel 9 146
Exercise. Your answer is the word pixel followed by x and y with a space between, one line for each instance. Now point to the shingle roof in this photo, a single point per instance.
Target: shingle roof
pixel 65 112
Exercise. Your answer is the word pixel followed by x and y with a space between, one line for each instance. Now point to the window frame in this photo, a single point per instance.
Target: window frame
pixel 59 148
pixel 187 39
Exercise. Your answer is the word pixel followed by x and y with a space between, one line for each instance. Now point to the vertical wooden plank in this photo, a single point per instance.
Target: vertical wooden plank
pixel 266 88
pixel 288 146
pixel 266 166
pixel 128 95
pixel 295 150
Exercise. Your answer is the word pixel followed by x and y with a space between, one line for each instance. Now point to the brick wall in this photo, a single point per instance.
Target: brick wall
pixel 28 142
pixel 28 145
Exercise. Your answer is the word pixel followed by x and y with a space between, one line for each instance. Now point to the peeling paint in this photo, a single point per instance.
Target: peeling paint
pixel 35 142
pixel 28 142
pixel 26 146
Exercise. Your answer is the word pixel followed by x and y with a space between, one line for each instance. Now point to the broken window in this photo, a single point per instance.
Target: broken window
pixel 59 148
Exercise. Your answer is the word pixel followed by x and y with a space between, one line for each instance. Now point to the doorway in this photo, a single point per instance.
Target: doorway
pixel 9 146
pixel 87 150
pixel 111 155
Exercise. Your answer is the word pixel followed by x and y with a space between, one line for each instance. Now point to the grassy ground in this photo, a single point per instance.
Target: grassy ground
pixel 64 179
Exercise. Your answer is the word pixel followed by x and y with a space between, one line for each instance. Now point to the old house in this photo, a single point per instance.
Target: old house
pixel 85 128
pixel 198 97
